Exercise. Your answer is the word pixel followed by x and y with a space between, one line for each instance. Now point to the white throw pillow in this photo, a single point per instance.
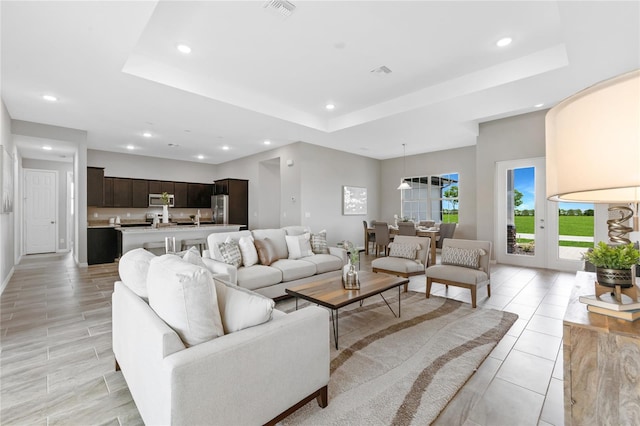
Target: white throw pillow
pixel 241 308
pixel 133 269
pixel 193 256
pixel 248 250
pixel 299 245
pixel 184 296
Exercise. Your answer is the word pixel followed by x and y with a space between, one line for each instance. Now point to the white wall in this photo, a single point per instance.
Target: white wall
pixel 7 221
pixel 459 160
pixel 142 167
pixel 312 184
pixel 324 173
pixel 62 169
pixel 512 138
pixel 249 168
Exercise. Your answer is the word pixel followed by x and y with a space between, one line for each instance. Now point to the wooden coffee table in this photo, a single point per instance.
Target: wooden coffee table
pixel 330 293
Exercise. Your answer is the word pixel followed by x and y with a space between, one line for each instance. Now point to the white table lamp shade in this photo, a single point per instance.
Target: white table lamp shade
pixel 593 143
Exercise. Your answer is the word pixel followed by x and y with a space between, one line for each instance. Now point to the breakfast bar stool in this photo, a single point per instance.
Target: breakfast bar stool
pixel 155 247
pixel 200 243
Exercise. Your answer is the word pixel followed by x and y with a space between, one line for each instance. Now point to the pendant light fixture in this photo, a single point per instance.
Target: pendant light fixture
pixel 404 184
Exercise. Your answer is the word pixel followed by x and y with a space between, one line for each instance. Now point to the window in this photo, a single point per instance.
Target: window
pixel 431 198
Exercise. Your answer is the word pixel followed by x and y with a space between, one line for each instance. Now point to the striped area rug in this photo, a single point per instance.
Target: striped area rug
pixel 401 371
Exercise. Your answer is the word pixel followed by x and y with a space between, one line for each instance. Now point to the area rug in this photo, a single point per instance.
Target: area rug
pixel 401 371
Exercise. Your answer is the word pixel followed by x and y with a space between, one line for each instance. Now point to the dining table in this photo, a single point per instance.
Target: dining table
pixel 432 233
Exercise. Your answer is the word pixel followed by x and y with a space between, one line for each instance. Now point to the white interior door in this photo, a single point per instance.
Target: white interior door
pixel 40 211
pixel 520 228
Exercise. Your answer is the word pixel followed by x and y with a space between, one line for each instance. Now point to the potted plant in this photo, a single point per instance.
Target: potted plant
pixel 613 263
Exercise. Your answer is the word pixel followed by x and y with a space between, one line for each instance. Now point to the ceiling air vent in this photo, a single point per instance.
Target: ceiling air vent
pixel 283 7
pixel 381 70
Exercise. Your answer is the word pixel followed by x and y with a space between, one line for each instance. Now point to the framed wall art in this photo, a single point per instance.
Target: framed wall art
pixel 354 200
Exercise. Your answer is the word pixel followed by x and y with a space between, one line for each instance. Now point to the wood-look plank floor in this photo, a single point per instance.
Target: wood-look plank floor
pixel 56 362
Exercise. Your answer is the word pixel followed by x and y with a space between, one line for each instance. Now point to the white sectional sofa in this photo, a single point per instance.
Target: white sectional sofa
pixel 243 376
pixel 273 280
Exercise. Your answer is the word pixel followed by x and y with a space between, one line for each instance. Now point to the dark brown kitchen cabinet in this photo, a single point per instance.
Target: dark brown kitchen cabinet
pixel 180 193
pixel 95 186
pixel 238 192
pixel 121 192
pixel 155 186
pixel 108 192
pixel 139 193
pixel 102 245
pixel 168 187
pixel 199 195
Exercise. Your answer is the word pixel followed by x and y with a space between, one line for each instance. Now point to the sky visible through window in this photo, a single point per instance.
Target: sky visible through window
pixel 524 181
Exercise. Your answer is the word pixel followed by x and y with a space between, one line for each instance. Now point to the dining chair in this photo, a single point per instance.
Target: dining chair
pixel 369 236
pixel 446 231
pixel 382 237
pixel 407 228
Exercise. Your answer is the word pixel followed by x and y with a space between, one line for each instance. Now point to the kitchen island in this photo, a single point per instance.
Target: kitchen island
pixel 136 237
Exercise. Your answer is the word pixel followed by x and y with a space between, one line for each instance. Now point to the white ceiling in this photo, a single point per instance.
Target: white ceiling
pixel 255 75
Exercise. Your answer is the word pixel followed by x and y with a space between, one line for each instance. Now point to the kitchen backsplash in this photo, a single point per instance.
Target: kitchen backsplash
pixel 130 214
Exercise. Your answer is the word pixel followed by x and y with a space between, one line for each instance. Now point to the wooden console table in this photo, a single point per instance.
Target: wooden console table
pixel 601 363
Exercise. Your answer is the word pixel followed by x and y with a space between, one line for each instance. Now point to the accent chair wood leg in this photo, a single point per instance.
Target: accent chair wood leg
pixel 488 290
pixel 473 296
pixel 429 282
pixel 323 397
pixel 117 366
pixel 406 287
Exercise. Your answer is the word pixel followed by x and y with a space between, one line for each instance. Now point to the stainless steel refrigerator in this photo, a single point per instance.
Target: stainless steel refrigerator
pixel 220 207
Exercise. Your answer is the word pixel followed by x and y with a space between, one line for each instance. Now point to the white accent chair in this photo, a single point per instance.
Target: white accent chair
pixel 460 276
pixel 400 266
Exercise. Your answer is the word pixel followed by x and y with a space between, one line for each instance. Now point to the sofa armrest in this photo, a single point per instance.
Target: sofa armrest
pixel 269 368
pixel 341 253
pixel 141 341
pixel 217 267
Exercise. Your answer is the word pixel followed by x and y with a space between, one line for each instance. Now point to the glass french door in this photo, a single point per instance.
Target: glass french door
pixel 531 231
pixel 520 228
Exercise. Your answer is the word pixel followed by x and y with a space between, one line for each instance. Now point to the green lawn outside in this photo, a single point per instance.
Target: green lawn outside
pixel 450 218
pixel 569 225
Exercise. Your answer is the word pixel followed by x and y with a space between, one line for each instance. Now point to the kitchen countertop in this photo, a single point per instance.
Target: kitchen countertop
pixel 169 229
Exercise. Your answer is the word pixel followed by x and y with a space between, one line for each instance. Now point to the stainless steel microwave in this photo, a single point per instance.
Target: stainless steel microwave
pixel 155 200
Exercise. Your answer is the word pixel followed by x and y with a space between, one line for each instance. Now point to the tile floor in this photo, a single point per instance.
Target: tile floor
pixel 56 365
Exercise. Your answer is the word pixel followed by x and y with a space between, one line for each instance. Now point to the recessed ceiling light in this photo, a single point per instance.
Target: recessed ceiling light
pixel 200 157
pixel 50 98
pixel 226 148
pixel 330 106
pixel 47 148
pixel 183 48
pixel 146 134
pixel 267 142
pixel 130 147
pixel 505 41
pixel 538 105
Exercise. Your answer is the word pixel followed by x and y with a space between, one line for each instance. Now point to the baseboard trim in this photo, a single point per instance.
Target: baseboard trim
pixel 6 281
